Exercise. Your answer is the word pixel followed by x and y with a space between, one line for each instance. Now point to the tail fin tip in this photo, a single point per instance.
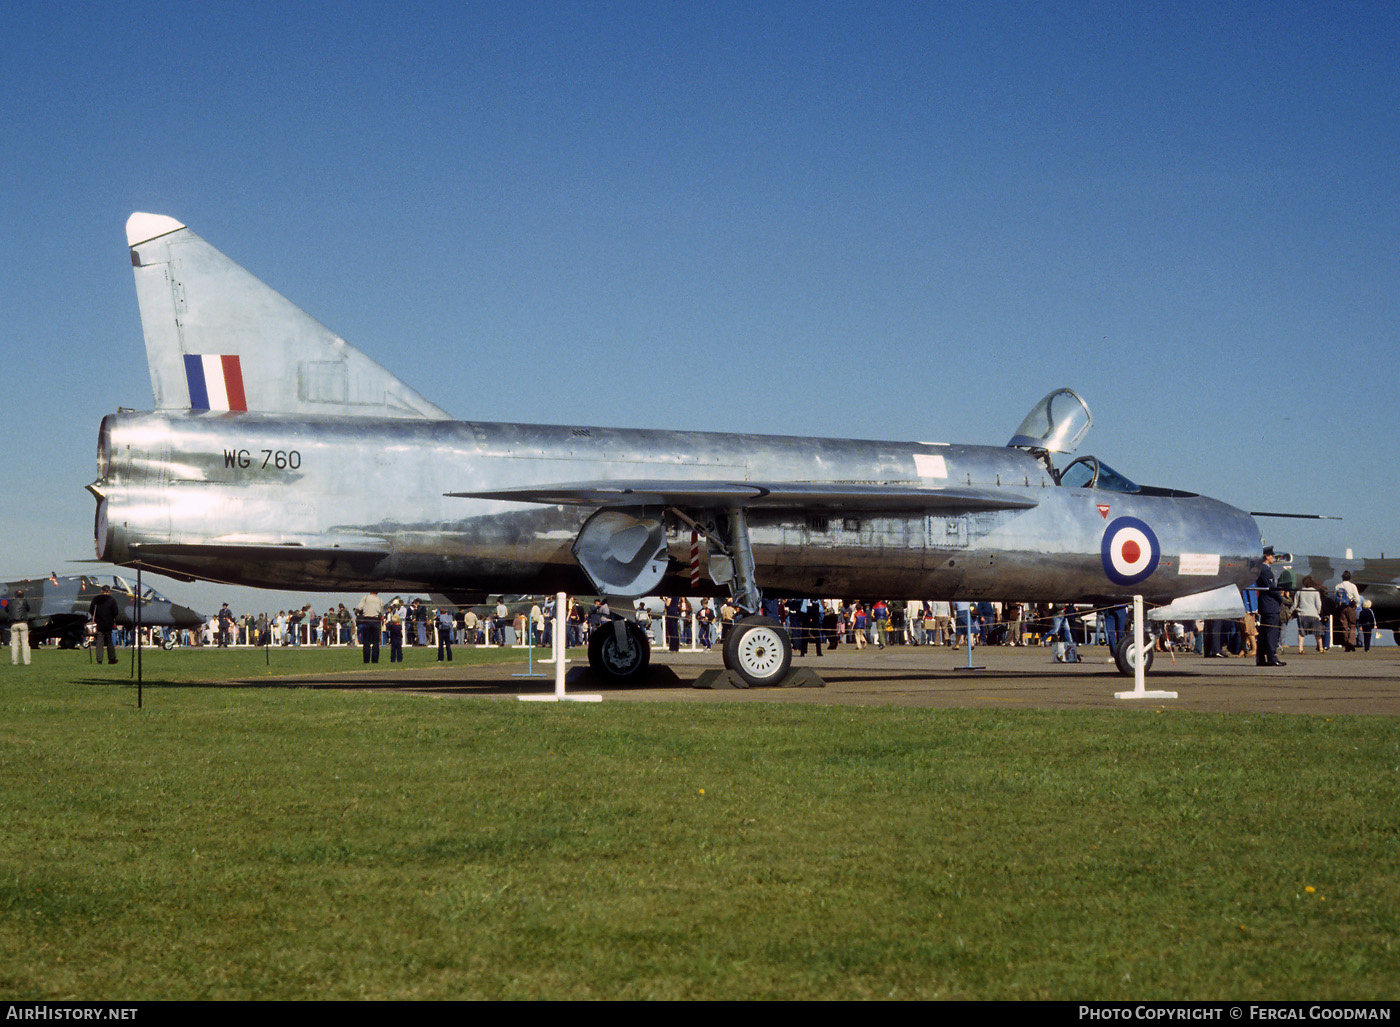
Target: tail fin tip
pixel 145 227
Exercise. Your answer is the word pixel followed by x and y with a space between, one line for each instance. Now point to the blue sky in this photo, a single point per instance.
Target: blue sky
pixel 849 219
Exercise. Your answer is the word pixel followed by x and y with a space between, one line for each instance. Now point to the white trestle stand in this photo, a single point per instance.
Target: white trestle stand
pixel 560 617
pixel 1139 673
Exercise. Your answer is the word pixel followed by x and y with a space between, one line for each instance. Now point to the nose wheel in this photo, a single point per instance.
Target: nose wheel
pixel 1126 656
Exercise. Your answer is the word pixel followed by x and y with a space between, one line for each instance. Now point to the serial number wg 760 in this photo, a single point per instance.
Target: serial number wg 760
pixel 279 459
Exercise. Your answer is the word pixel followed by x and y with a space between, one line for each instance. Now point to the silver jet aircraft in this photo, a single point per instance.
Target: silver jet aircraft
pixel 279 456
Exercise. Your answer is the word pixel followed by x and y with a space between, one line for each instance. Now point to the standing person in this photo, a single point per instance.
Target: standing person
pixel 942 621
pixel 1214 638
pixel 1249 624
pixel 880 612
pixel 420 620
pixel 396 627
pixel 1064 634
pixel 727 613
pixel 687 623
pixel 914 621
pixel 1366 624
pixel 103 612
pixel 1271 601
pixel 794 608
pixel 575 624
pixel 930 624
pixel 1011 613
pixel 368 613
pixel 502 621
pixel 706 616
pixel 986 618
pixel 1115 626
pixel 1310 613
pixel 812 623
pixel 19 627
pixel 673 624
pixel 225 625
pixel 1348 601
pixel 445 624
pixel 644 620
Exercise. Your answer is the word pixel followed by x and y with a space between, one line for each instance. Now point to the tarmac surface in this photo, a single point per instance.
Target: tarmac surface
pixel 1331 683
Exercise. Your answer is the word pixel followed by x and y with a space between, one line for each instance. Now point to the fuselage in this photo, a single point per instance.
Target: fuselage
pixel 348 503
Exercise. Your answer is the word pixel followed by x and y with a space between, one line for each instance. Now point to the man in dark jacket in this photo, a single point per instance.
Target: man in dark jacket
pixel 1270 605
pixel 225 625
pixel 103 613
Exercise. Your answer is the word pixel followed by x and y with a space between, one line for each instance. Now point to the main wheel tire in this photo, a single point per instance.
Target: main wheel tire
pixel 1125 656
pixel 606 658
pixel 759 651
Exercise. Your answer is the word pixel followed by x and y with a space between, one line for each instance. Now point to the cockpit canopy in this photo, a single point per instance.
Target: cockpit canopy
pixel 1057 424
pixel 123 587
pixel 1089 473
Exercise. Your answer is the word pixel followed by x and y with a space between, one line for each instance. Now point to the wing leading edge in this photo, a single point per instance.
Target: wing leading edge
pixel 863 497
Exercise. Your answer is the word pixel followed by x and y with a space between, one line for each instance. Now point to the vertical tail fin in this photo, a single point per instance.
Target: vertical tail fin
pixel 219 339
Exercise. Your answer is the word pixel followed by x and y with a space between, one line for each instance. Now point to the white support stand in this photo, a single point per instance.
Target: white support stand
pixel 694 632
pixel 1139 672
pixel 560 615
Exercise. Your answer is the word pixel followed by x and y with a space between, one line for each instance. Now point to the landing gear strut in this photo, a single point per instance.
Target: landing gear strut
pixel 757 649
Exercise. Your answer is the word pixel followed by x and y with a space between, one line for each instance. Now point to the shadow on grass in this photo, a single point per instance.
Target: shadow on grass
pixel 502 683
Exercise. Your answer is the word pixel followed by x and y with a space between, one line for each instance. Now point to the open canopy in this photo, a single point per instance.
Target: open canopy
pixel 1057 424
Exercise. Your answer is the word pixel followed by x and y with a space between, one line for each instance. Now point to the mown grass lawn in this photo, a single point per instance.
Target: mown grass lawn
pixel 228 842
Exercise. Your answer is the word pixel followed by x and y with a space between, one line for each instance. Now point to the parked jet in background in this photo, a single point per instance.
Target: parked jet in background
pixel 1378 580
pixel 60 606
pixel 279 456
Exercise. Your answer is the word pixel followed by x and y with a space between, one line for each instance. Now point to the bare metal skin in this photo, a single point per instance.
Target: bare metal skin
pixel 279 456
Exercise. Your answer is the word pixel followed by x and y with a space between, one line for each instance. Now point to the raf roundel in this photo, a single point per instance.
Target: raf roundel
pixel 1130 551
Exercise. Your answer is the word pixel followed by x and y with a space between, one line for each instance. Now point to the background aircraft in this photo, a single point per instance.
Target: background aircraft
pixel 279 456
pixel 61 606
pixel 1376 579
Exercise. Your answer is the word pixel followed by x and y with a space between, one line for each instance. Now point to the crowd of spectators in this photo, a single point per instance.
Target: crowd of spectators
pixel 680 622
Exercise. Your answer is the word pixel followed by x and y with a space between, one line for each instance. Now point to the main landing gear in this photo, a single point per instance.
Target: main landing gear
pixel 620 650
pixel 757 649
pixel 624 554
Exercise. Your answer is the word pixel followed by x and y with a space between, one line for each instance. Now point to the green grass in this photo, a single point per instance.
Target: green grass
pixel 236 842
